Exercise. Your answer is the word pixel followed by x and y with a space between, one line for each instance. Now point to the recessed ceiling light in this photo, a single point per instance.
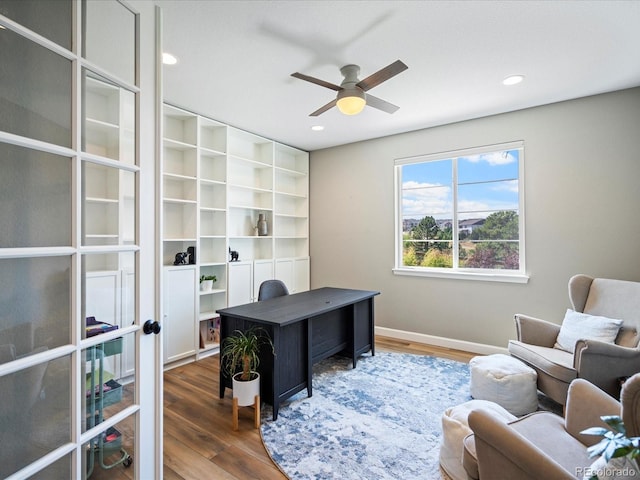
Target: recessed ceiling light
pixel 169 59
pixel 513 79
pixel 317 128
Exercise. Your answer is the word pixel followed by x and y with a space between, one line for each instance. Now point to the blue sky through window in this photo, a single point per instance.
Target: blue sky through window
pixel 486 183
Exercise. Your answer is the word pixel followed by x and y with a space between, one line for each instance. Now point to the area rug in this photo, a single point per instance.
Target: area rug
pixel 381 420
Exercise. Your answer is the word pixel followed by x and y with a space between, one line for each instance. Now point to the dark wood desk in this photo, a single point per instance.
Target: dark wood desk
pixel 305 328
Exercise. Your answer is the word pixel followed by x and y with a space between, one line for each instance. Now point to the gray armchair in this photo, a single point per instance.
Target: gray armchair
pixel 601 363
pixel 543 444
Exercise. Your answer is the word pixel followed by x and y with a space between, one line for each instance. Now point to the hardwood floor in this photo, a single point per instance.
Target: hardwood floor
pixel 198 439
pixel 199 442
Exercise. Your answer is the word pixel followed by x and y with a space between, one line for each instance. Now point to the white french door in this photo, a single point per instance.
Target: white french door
pixel 80 380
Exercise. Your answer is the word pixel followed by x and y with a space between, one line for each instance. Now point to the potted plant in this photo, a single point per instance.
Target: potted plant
pixel 239 359
pixel 206 282
pixel 614 445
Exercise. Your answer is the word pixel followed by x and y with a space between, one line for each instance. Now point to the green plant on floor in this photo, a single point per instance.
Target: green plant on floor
pixel 207 277
pixel 241 352
pixel 615 443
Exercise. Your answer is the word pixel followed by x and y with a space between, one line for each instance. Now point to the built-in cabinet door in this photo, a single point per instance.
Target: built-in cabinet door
pixel 179 321
pixel 284 272
pixel 294 272
pixel 301 274
pixel 240 283
pixel 262 271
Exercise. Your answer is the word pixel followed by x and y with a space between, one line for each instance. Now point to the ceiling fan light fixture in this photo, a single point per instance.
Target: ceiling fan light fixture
pixel 351 101
pixel 169 59
pixel 513 80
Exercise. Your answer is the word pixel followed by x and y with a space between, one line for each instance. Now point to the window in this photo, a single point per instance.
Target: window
pixel 461 214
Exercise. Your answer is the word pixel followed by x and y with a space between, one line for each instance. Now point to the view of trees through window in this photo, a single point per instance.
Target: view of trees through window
pixel 462 212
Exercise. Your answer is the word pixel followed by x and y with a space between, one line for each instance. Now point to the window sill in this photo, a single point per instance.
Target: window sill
pixel 483 277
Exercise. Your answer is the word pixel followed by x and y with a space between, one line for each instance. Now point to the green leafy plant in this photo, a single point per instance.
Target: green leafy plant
pixel 241 351
pixel 208 277
pixel 615 442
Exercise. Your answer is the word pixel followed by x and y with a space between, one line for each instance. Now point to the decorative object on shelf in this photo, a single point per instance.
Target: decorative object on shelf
pixel 192 255
pixel 182 258
pixel 213 331
pixel 206 282
pixel 263 230
pixel 235 256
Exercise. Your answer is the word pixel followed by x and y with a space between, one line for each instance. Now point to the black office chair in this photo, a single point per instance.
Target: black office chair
pixel 272 289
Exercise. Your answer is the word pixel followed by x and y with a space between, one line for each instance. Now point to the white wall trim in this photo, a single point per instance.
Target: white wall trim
pixel 463 345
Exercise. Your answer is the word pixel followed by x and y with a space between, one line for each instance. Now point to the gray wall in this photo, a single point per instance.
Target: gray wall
pixel 582 192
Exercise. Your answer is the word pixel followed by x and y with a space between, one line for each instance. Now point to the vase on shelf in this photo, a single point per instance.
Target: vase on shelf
pixel 262 225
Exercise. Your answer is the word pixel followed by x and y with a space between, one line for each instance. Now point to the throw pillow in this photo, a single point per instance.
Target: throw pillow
pixel 577 326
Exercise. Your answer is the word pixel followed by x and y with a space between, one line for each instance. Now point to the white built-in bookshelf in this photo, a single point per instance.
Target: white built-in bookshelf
pixel 216 182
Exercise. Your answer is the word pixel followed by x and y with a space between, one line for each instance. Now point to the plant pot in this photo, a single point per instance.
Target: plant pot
pixel 206 285
pixel 246 391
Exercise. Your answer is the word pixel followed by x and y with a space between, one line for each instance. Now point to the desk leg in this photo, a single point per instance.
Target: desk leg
pixel 274 361
pixel 372 336
pixel 354 317
pixel 309 357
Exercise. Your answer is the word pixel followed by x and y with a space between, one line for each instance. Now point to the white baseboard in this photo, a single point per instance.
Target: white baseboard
pixel 463 345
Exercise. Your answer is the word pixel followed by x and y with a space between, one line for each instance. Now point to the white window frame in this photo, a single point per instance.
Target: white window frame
pixel 494 275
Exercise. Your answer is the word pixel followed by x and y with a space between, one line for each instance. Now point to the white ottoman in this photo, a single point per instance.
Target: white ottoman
pixel 505 380
pixel 455 427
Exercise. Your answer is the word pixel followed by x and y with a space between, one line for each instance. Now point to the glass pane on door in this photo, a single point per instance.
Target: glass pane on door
pixel 35 91
pixel 108 205
pixel 51 19
pixel 108 292
pixel 104 366
pixel 35 305
pixel 58 469
pixel 35 413
pixel 110 451
pixel 108 126
pixel 105 21
pixel 36 220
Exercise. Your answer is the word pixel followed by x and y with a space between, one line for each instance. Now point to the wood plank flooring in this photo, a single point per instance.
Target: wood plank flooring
pixel 198 439
pixel 199 442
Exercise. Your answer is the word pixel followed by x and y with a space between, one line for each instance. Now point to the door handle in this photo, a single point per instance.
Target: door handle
pixel 151 327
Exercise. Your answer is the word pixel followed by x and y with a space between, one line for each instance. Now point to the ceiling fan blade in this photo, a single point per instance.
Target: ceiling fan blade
pixel 317 81
pixel 324 108
pixel 380 104
pixel 383 75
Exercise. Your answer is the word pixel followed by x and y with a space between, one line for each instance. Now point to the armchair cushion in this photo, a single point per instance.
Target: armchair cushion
pixel 552 361
pixel 577 326
pixel 525 449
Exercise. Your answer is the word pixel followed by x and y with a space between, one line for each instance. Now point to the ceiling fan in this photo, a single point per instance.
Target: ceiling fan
pixel 351 97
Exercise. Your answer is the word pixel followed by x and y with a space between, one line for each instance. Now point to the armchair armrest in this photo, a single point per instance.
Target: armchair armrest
pixel 604 363
pixel 586 403
pixel 505 454
pixel 536 331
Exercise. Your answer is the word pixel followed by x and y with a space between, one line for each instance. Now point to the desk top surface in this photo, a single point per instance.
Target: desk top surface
pixel 298 306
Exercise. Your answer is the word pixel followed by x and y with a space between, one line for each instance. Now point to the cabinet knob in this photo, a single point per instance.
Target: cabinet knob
pixel 151 327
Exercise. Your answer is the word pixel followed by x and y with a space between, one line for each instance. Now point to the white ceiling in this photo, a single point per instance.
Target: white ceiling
pixel 236 58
